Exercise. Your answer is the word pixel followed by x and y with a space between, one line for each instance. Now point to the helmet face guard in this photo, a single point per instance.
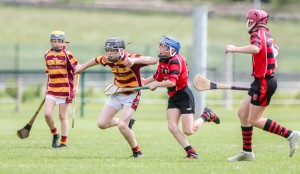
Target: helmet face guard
pixel 113 48
pixel 255 17
pixel 173 46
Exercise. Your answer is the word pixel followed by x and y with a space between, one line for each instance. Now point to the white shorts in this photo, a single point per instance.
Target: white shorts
pixel 57 100
pixel 118 101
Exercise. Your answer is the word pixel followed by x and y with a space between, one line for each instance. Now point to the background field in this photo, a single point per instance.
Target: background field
pixel 25 36
pixel 30 32
pixel 92 150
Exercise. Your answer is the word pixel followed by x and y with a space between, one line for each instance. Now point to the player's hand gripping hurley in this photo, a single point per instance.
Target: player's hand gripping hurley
pixel 24 132
pixel 74 104
pixel 201 84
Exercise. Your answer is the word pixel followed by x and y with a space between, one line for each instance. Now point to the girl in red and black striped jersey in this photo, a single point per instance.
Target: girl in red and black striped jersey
pixel 172 73
pixel 126 69
pixel 264 52
pixel 60 67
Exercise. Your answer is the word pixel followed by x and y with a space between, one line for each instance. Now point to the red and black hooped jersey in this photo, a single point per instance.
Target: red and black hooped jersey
pixel 175 70
pixel 124 76
pixel 60 69
pixel 263 63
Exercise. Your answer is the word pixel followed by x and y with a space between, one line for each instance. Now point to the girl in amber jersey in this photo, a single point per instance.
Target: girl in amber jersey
pixel 60 67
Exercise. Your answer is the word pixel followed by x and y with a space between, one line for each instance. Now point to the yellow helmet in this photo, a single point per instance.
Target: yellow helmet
pixel 57 35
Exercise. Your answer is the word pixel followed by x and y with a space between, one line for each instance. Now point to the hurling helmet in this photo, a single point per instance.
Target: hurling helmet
pixel 57 35
pixel 255 17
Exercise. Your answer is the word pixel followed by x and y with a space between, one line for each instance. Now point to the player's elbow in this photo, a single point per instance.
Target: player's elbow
pixel 170 84
pixel 153 61
pixel 255 49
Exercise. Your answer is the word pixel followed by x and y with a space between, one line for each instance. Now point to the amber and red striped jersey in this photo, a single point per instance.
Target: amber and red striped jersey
pixel 263 63
pixel 124 76
pixel 60 69
pixel 175 70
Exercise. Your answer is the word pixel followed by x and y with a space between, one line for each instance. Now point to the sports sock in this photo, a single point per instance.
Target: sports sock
pixel 204 117
pixel 189 149
pixel 275 128
pixel 54 131
pixel 247 138
pixel 63 140
pixel 136 149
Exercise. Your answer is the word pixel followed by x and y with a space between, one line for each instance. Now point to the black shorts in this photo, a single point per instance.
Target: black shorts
pixel 262 90
pixel 183 100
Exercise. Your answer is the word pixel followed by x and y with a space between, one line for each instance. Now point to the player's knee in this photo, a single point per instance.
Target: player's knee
pixel 254 122
pixel 173 128
pixel 63 117
pixel 188 132
pixel 242 115
pixel 48 115
pixel 101 125
pixel 122 126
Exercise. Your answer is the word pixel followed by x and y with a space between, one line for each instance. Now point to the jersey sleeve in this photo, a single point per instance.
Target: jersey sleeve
pixel 174 70
pixel 136 56
pixel 101 60
pixel 45 58
pixel 72 59
pixel 255 39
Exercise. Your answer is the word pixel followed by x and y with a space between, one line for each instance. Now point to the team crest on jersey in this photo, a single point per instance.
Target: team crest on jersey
pixel 164 70
pixel 62 62
pixel 255 97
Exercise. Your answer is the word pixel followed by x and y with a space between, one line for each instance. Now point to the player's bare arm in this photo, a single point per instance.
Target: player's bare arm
pixel 142 60
pixel 248 49
pixel 166 84
pixel 147 81
pixel 81 68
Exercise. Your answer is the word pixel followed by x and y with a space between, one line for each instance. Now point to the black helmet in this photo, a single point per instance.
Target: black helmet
pixel 114 43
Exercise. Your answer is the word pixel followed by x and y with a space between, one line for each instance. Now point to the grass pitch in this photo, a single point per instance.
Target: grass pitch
pixel 92 150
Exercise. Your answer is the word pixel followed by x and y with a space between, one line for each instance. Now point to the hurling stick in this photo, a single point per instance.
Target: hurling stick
pixel 24 132
pixel 77 77
pixel 114 89
pixel 201 84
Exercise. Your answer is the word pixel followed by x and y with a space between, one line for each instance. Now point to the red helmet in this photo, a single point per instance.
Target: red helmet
pixel 255 17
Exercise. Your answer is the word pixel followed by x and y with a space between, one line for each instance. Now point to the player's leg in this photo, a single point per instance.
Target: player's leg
pixel 246 153
pixel 130 104
pixel 50 102
pixel 243 112
pixel 173 121
pixel 63 116
pixel 271 126
pixel 188 124
pixel 106 117
pixel 128 134
pixel 110 109
pixel 256 110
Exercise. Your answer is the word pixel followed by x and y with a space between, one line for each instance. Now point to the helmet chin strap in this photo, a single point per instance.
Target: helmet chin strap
pixel 172 54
